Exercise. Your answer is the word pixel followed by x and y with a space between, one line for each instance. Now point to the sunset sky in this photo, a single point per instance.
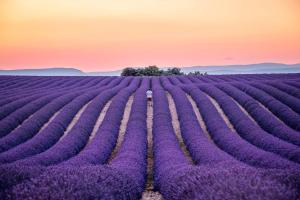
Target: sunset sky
pixel 101 35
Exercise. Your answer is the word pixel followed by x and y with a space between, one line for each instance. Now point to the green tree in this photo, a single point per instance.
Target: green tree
pixel 129 71
pixel 173 71
pixel 197 73
pixel 152 71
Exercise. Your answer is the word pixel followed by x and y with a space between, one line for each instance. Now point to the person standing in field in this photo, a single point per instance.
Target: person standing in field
pixel 149 95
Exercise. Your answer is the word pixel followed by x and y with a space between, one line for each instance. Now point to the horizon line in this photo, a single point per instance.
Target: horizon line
pixel 143 66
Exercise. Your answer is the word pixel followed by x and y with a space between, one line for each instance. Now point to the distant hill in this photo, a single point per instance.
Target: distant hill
pixel 44 72
pixel 260 68
pixel 109 73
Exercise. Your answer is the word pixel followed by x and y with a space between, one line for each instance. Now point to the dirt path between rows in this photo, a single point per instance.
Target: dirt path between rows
pixel 149 194
pixel 122 129
pixel 99 121
pixel 222 114
pixel 176 127
pixel 74 120
pixel 199 117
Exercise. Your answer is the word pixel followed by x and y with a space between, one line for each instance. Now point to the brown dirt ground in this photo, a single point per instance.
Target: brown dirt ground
pixel 149 194
pixel 74 120
pixel 99 120
pixel 223 115
pixel 176 127
pixel 123 126
pixel 50 120
pixel 199 117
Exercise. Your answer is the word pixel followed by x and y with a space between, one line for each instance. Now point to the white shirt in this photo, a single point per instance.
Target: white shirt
pixel 149 94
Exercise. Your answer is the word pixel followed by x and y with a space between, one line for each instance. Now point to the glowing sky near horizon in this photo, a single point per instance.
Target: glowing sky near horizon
pixel 100 35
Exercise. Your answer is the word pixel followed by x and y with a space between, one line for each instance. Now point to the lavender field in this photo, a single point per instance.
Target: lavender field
pixel 201 137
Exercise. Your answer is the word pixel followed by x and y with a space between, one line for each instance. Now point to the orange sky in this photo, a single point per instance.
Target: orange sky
pixel 100 35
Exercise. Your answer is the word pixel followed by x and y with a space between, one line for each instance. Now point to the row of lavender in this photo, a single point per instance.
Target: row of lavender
pixel 75 152
pixel 225 169
pixel 260 162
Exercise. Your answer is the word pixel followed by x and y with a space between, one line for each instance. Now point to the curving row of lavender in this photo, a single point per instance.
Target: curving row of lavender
pixel 52 148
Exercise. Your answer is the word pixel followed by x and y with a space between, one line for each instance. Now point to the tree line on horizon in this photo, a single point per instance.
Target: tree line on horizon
pixel 155 71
